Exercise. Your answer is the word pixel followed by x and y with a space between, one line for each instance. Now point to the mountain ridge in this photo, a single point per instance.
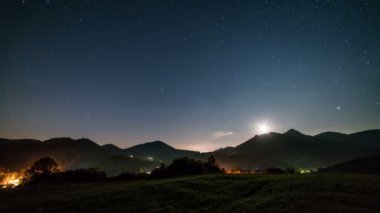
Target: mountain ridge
pixel 289 149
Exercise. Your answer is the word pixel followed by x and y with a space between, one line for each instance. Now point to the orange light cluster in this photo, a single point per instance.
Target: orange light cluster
pixel 238 171
pixel 11 179
pixel 233 171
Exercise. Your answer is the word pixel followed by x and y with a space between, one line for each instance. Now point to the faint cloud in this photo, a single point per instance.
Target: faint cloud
pixel 222 133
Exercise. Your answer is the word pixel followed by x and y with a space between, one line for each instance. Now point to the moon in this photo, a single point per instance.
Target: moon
pixel 263 128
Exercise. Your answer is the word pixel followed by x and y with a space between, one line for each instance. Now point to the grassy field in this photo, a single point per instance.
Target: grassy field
pixel 214 193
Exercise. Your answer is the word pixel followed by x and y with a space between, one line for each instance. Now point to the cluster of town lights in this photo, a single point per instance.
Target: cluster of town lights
pixel 11 179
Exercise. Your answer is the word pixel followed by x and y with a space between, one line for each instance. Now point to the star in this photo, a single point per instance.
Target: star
pixel 338 108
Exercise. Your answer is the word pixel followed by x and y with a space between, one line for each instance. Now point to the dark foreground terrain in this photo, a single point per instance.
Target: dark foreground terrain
pixel 213 193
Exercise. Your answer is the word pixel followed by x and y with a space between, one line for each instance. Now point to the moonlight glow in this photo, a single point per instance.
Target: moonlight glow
pixel 263 128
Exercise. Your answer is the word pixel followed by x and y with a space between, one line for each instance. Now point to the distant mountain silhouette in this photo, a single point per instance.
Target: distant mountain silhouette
pixel 280 150
pixel 369 138
pixel 70 153
pixel 294 149
pixel 296 134
pixel 366 138
pixel 291 149
pixel 332 136
pixel 112 149
pixel 229 150
pixel 366 165
pixel 158 150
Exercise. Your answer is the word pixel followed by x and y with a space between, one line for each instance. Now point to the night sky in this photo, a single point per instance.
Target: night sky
pixel 198 75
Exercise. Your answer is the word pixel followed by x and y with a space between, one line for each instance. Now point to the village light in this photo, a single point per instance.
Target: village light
pixel 11 179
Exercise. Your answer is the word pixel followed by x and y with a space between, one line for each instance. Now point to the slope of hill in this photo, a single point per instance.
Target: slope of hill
pixel 280 150
pixel 69 153
pixel 160 151
pixel 367 165
pixel 228 151
pixel 332 136
pixel 294 149
pixel 112 149
pixel 368 138
pixel 296 134
pixel 291 149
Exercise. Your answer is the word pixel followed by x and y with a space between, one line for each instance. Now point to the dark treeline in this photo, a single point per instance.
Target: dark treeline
pixel 187 166
pixel 47 171
pixel 70 176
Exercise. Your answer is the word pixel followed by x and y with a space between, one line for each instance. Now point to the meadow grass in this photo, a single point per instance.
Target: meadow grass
pixel 211 193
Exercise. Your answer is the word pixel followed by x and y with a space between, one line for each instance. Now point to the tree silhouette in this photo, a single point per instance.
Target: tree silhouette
pixel 162 166
pixel 187 166
pixel 211 161
pixel 274 170
pixel 83 175
pixel 44 166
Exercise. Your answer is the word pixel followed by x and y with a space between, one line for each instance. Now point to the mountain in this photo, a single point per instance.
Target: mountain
pixel 158 150
pixel 366 165
pixel 332 136
pixel 69 153
pixel 294 149
pixel 364 138
pixel 229 150
pixel 291 149
pixel 279 150
pixel 84 153
pixel 112 149
pixel 296 134
pixel 368 138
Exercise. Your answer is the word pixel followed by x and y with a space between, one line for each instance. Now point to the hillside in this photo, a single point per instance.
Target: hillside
pixel 294 149
pixel 160 151
pixel 367 165
pixel 70 154
pixel 332 136
pixel 112 149
pixel 291 149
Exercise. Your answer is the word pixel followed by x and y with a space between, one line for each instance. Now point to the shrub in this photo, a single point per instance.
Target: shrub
pixel 274 170
pixel 187 166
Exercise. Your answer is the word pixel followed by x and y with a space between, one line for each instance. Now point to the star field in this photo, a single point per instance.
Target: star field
pixel 196 74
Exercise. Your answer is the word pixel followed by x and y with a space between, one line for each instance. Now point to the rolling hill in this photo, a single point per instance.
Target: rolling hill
pixel 291 149
pixel 158 150
pixel 366 165
pixel 69 153
pixel 294 149
pixel 332 136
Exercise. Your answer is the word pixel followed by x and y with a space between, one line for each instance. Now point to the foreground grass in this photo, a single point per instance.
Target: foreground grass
pixel 214 193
